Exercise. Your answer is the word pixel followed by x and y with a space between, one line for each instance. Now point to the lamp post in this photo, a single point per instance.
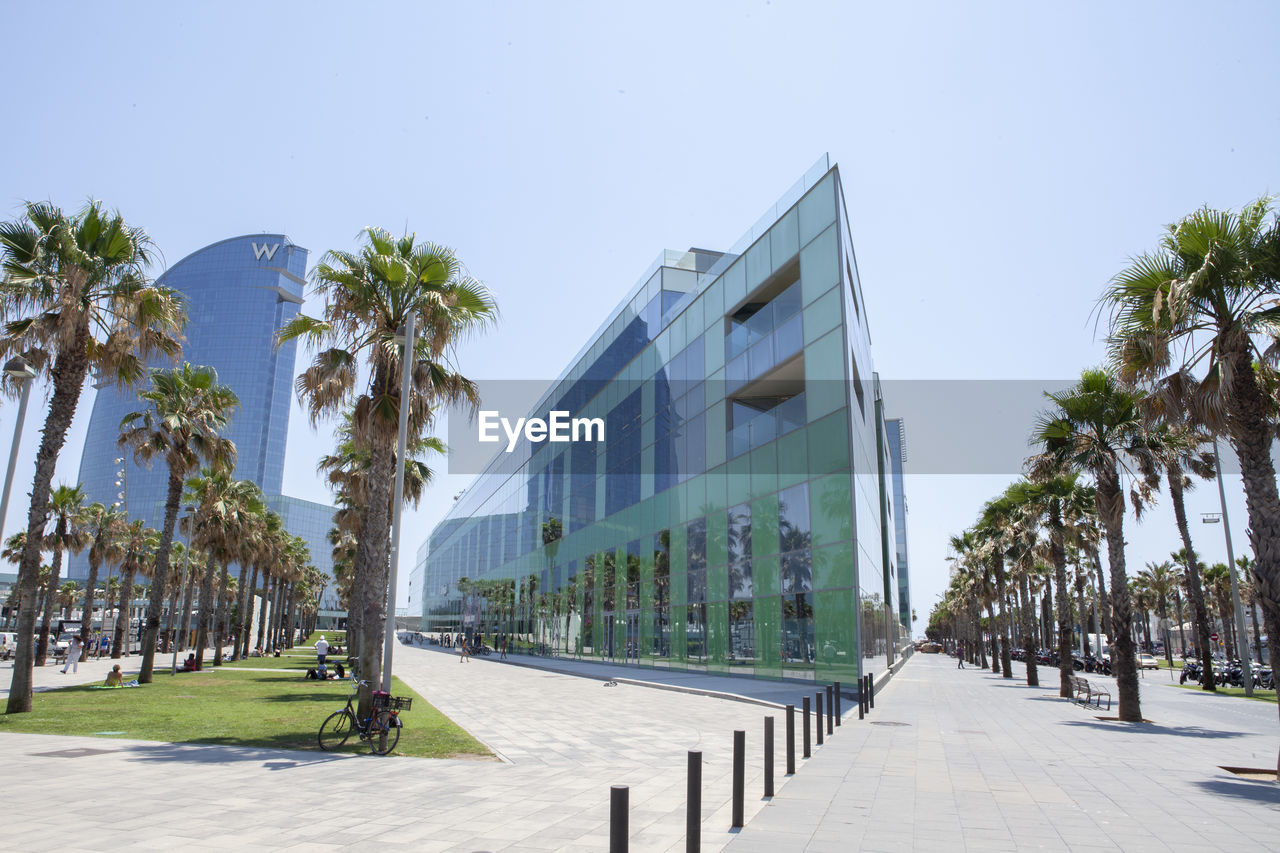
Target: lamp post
pixel 402 440
pixel 21 373
pixel 1242 641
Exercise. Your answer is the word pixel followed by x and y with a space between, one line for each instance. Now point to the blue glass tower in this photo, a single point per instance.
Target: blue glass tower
pixel 238 293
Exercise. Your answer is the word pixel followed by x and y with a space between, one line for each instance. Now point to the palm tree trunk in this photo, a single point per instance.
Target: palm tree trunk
pixel 1028 632
pixel 220 621
pixel 291 616
pixel 263 640
pixel 86 616
pixel 69 370
pixel 1257 635
pixel 995 637
pixel 1105 605
pixel 1124 664
pixel 160 575
pixel 238 650
pixel 125 607
pixel 184 625
pixel 205 619
pixel 1085 645
pixel 246 611
pixel 374 539
pixel 50 595
pixel 1058 554
pixel 1195 592
pixel 1251 433
pixel 171 624
pixel 1182 634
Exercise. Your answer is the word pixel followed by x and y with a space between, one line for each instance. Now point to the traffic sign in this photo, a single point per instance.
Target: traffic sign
pixel 1214 637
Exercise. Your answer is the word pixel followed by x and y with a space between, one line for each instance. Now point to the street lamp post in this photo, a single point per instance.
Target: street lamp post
pixel 1242 641
pixel 21 373
pixel 406 379
pixel 121 503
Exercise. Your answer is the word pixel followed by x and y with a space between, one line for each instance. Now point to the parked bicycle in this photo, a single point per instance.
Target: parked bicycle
pixel 385 721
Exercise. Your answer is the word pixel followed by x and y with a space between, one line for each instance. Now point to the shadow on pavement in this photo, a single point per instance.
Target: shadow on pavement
pixel 1154 729
pixel 211 752
pixel 1241 789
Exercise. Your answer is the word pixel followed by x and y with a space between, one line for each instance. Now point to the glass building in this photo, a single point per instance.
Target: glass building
pixel 738 516
pixel 897 435
pixel 238 293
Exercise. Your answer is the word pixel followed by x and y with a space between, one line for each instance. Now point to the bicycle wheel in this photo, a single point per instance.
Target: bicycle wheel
pixel 384 721
pixel 335 730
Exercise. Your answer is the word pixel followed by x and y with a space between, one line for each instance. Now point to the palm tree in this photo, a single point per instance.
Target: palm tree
pixel 991 533
pixel 1217 579
pixel 1176 442
pixel 1163 579
pixel 186 410
pixel 1207 298
pixel 1065 505
pixel 1249 593
pixel 368 298
pixel 74 298
pixel 1096 426
pixel 104 527
pixel 67 598
pixel 137 541
pixel 224 511
pixel 66 505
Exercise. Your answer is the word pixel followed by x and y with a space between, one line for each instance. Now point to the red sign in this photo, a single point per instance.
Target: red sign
pixel 1214 637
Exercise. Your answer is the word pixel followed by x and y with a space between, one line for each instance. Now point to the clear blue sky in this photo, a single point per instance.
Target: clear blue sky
pixel 1001 161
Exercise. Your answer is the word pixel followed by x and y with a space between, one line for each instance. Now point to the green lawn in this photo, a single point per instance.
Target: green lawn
pixel 1259 694
pixel 225 706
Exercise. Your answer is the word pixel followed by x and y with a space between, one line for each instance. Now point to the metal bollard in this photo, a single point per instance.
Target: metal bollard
pixel 739 775
pixel 618 819
pixel 818 697
pixel 693 808
pixel 831 712
pixel 839 705
pixel 791 740
pixel 862 696
pixel 871 692
pixel 768 756
pixel 804 709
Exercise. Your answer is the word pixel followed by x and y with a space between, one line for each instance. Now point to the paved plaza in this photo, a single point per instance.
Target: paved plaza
pixel 949 760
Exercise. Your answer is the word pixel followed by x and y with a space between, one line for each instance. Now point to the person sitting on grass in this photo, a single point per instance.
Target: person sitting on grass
pixel 189 665
pixel 115 677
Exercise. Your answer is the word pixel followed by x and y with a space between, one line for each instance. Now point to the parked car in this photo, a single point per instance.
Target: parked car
pixel 1148 662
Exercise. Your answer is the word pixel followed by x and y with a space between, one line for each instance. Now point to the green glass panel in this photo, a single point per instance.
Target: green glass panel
pixel 820 265
pixel 718 635
pixel 717 583
pixel 764 470
pixel 833 566
pixel 831 509
pixel 764 570
pixel 735 285
pixel 713 303
pixel 715 483
pixel 717 540
pixel 764 526
pixel 835 637
pixel 822 315
pixel 738 480
pixel 679 651
pixel 829 444
pixel 784 239
pixel 817 209
pixel 793 458
pixel 715 421
pixel 696 493
pixel 693 320
pixel 768 617
pixel 758 267
pixel 713 349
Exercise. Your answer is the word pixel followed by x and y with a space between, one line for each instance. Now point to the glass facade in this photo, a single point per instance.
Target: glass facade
pixel 238 293
pixel 896 432
pixel 734 518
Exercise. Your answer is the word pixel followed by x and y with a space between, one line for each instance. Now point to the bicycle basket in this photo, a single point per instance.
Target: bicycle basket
pixel 392 703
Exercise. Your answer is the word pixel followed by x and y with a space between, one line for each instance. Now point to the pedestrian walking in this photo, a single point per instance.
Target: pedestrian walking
pixel 73 655
pixel 464 654
pixel 503 650
pixel 322 649
pixel 959 655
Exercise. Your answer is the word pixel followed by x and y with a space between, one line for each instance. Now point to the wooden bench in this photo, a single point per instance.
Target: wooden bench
pixel 1089 694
